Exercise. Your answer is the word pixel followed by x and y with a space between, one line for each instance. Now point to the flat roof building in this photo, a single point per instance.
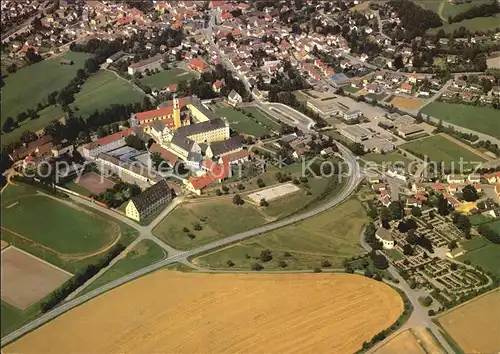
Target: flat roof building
pixel 409 130
pixel 325 109
pixel 356 133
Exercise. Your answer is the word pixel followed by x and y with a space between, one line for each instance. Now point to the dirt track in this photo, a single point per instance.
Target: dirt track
pixel 467 147
pixel 171 312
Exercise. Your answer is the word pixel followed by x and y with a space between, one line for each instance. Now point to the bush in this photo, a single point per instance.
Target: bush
pixel 368 273
pixel 282 264
pixel 325 264
pixel 431 312
pixel 377 277
pixel 265 256
pixel 230 263
pixel 287 254
pixel 191 236
pixel 317 270
pixel 198 227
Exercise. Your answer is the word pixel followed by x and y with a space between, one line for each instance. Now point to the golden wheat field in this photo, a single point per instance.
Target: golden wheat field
pixel 475 325
pixel 172 312
pixel 417 340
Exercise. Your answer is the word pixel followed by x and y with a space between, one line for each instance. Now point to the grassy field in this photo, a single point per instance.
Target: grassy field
pixel 218 219
pixel 143 254
pixel 438 149
pixel 32 84
pixel 262 117
pixel 452 10
pixel 331 236
pixel 479 219
pixel 243 124
pixel 482 119
pixel 53 224
pixel 387 159
pixel 101 91
pixel 57 233
pixel 167 77
pixel 483 253
pixel 478 24
pixel 432 5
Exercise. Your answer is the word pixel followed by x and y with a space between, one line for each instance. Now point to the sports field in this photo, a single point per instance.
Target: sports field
pixel 143 254
pixel 481 119
pixel 478 24
pixel 440 149
pixel 217 219
pixel 167 77
pixel 406 102
pixel 241 123
pixel 103 89
pixel 27 87
pixel 483 253
pixel 331 236
pixel 66 235
pixel 95 183
pixel 172 312
pixel 480 332
pixel 27 279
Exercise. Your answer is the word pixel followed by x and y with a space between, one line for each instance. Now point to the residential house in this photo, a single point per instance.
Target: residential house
pixel 234 98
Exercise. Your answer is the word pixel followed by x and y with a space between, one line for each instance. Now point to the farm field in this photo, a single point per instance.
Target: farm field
pixel 406 102
pixel 167 77
pixel 213 218
pixel 241 123
pixel 69 237
pixel 480 332
pixel 482 119
pixel 245 312
pixel 417 340
pixel 478 24
pixel 27 87
pixel 332 236
pixel 143 254
pixel 481 252
pixel 102 90
pixel 438 148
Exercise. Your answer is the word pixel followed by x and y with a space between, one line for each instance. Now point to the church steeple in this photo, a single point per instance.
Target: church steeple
pixel 176 112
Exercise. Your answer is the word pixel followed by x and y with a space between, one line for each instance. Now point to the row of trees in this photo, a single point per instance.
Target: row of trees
pixel 79 279
pixel 483 10
pixel 118 194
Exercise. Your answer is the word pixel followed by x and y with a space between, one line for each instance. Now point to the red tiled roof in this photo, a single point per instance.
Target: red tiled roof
pixel 165 154
pixel 202 181
pixel 27 46
pixel 113 137
pixel 198 64
pixel 172 88
pixel 218 84
pixel 235 156
pixel 438 187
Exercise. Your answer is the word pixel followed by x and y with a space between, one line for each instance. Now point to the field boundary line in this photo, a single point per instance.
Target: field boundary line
pixel 42 260
pixel 465 146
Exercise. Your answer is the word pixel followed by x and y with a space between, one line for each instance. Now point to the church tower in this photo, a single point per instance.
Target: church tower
pixel 177 113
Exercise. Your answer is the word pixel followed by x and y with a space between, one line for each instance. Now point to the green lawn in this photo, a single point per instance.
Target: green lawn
pixel 262 117
pixel 241 123
pixel 482 119
pixel 483 253
pixel 332 236
pixel 13 318
pixel 143 254
pixel 75 187
pixel 218 219
pixel 167 77
pixel 478 24
pixel 479 219
pixel 32 84
pixel 59 227
pixel 438 149
pixel 102 90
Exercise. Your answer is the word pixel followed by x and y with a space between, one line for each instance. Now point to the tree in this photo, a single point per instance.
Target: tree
pixel 263 203
pixel 396 210
pixel 411 238
pixel 32 57
pixel 469 193
pixel 230 263
pixel 282 264
pixel 325 264
pixel 398 62
pixel 91 65
pixel 237 200
pixel 257 267
pixel 425 300
pixel 416 212
pixel 156 159
pixel 135 142
pixel 453 266
pixel 442 205
pixel 408 250
pixel 198 227
pixel 8 125
pixel 265 256
pixel 380 262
